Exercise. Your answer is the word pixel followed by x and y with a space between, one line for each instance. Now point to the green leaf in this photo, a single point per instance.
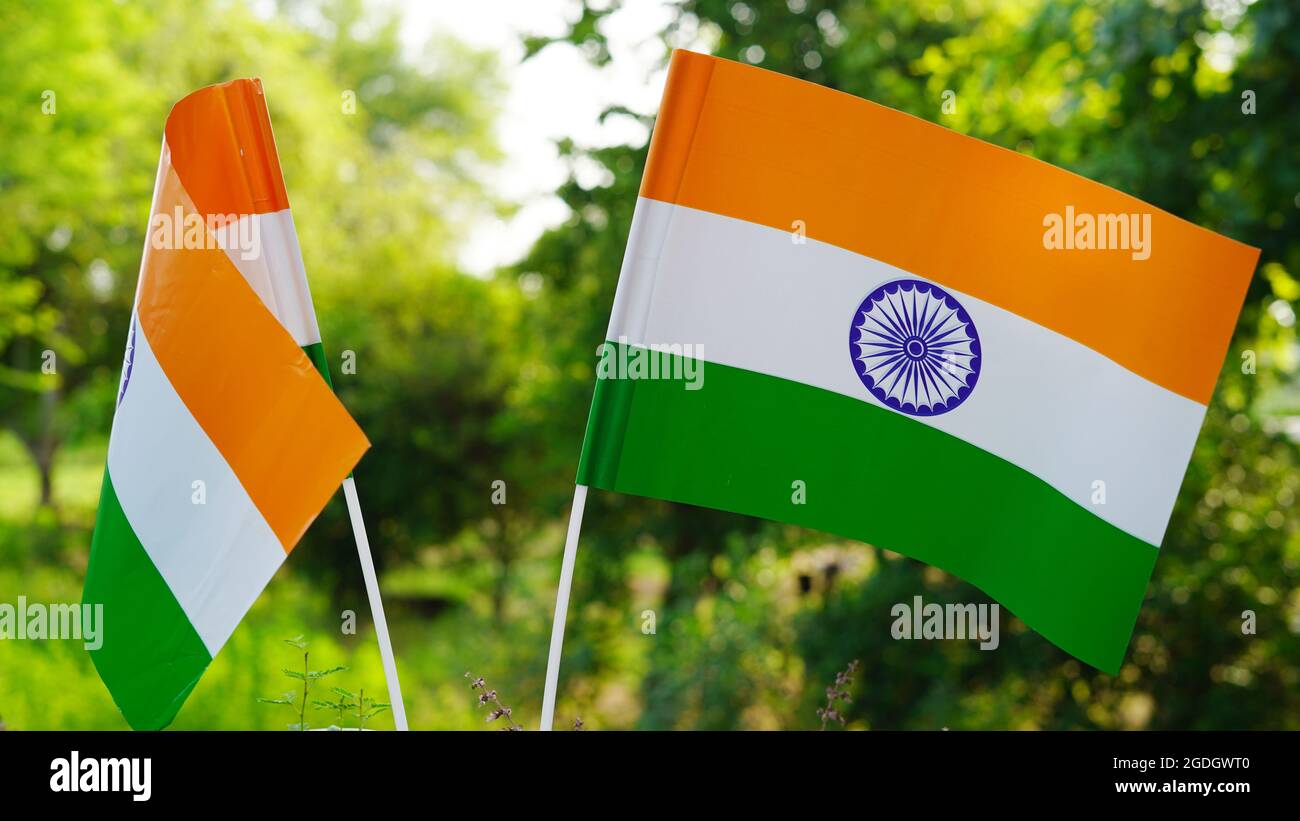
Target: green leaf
pixel 316 675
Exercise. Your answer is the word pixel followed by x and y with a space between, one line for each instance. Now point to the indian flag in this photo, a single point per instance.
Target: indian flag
pixel 912 338
pixel 226 441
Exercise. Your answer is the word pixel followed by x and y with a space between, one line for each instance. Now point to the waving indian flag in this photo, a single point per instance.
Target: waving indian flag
pixel 227 441
pixel 913 338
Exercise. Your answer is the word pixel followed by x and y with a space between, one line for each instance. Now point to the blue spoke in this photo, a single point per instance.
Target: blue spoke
pixel 911 380
pixel 925 327
pixel 892 320
pixel 949 378
pixel 941 324
pixel 929 374
pixel 897 365
pixel 950 342
pixel 863 356
pixel 894 313
pixel 959 327
pixel 948 362
pixel 907 317
pixel 890 333
pixel 923 377
pixel 895 345
pixel 898 316
pixel 898 359
pixel 966 354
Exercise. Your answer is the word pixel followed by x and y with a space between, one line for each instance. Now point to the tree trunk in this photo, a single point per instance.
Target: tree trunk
pixel 41 445
pixel 47 446
pixel 499 590
pixel 47 485
pixel 504 554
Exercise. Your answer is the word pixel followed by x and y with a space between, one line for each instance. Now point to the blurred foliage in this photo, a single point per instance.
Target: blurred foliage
pixel 1146 97
pixel 681 617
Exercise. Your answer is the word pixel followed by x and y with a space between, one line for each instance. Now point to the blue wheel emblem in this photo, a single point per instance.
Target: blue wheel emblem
pixel 127 362
pixel 915 348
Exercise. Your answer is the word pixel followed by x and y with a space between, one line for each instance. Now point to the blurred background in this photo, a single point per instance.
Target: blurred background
pixel 463 230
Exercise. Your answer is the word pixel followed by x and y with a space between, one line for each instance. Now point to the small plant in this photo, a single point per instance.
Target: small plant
pixel 346 701
pixel 342 703
pixel 837 696
pixel 489 696
pixel 308 677
pixel 365 713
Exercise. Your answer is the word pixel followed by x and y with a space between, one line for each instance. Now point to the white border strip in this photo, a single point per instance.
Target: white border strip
pixel 216 556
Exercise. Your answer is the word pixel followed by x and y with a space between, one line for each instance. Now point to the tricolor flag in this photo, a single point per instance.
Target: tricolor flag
pixel 913 338
pixel 226 441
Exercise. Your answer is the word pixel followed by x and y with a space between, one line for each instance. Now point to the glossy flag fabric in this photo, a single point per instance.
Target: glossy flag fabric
pixel 226 440
pixel 908 338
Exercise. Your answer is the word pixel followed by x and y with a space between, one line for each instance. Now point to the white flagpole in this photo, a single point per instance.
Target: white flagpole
pixel 376 604
pixel 562 605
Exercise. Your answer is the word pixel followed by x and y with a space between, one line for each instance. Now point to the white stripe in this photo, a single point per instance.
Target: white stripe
pixel 756 299
pixel 272 264
pixel 216 557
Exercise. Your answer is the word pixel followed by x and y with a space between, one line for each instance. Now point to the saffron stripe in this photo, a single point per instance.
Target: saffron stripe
pixel 250 387
pixel 776 151
pixel 224 152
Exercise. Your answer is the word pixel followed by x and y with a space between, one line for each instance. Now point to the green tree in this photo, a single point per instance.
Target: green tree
pixel 75 201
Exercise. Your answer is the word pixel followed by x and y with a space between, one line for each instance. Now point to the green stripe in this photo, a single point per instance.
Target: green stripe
pixel 742 440
pixel 316 353
pixel 151 657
